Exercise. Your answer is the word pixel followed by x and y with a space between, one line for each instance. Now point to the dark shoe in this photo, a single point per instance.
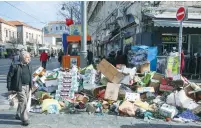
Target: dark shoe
pixel 25 123
pixel 17 117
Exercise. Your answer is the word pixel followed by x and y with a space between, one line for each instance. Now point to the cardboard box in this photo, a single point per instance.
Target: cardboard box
pixel 145 67
pixel 145 89
pixel 110 72
pixel 112 91
pixel 158 77
pixel 132 96
pixel 155 84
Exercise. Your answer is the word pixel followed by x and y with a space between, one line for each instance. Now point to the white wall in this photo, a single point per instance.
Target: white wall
pixel 37 35
pixel 50 41
pixel 10 30
pixel 52 29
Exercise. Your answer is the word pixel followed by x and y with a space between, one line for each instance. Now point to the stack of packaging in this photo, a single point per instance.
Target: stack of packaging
pixel 64 85
pixel 89 79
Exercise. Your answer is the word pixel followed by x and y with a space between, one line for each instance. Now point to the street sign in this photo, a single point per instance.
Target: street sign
pixel 181 15
pixel 181 12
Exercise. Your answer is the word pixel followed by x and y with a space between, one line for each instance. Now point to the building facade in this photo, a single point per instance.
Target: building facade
pixel 116 25
pixel 53 34
pixel 8 35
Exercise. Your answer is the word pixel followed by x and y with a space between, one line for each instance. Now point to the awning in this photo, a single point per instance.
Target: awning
pixel 43 48
pixel 171 23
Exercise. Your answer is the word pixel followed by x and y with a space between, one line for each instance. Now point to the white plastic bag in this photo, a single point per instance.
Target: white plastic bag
pixel 29 102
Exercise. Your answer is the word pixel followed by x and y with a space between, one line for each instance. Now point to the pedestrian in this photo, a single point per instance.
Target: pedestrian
pixel 89 57
pixel 182 62
pixel 16 58
pixel 111 58
pixel 119 57
pixel 60 55
pixel 19 79
pixel 43 59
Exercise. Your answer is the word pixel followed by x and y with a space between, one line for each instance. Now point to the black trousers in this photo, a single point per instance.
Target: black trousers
pixel 44 64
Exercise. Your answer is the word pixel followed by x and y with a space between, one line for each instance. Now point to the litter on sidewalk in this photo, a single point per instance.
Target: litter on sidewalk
pixel 125 92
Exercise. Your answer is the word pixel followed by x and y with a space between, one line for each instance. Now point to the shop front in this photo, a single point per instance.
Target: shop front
pixel 191 42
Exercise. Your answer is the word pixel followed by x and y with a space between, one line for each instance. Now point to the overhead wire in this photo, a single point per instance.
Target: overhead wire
pixel 25 12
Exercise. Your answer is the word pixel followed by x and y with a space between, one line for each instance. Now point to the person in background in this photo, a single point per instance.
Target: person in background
pixel 60 55
pixel 182 62
pixel 111 58
pixel 119 57
pixel 89 57
pixel 19 79
pixel 43 59
pixel 16 58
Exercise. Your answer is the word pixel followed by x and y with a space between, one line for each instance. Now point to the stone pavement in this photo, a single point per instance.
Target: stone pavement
pixel 84 120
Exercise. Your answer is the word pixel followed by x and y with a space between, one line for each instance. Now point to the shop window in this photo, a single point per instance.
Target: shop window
pixel 27 36
pixel 9 34
pixel 6 33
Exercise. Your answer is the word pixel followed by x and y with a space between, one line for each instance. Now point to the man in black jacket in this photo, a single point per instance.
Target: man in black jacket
pixel 19 79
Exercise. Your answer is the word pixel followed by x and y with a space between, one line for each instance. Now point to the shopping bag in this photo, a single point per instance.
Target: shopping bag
pixel 29 101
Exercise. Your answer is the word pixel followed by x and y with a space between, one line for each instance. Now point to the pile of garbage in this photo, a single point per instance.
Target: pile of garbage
pixel 122 91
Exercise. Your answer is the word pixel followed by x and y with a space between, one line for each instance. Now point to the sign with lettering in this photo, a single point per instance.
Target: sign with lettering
pixel 173 39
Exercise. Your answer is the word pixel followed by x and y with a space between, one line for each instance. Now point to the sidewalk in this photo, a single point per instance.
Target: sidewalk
pixel 84 120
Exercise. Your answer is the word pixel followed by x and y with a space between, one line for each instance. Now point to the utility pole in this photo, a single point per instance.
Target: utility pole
pixel 83 52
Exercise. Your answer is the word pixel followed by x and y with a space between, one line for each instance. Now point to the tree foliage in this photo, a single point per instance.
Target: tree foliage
pixel 75 6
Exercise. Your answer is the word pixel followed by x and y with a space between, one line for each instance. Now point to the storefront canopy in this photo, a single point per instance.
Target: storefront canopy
pixel 43 48
pixel 171 23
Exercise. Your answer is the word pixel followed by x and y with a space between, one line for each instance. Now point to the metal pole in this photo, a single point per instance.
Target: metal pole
pixel 71 13
pixel 180 44
pixel 83 52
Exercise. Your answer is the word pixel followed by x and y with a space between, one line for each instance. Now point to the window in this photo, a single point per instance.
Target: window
pixel 27 35
pixel 6 33
pixel 50 29
pixel 18 35
pixel 32 35
pixel 60 27
pixel 65 28
pixel 13 35
pixel 9 34
pixel 56 28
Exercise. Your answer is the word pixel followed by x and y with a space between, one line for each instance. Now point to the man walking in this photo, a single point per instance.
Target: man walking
pixel 44 58
pixel 60 55
pixel 19 79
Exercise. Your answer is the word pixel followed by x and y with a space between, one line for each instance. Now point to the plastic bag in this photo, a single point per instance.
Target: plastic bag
pixel 47 102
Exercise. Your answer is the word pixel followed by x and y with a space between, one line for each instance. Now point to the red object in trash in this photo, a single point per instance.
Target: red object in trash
pixel 166 88
pixel 101 94
pixel 69 22
pixel 164 81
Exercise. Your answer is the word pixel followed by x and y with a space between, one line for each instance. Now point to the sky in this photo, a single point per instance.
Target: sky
pixel 44 11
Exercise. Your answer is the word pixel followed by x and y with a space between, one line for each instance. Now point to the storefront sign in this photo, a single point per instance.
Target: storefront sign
pixel 172 66
pixel 128 40
pixel 173 39
pixel 76 29
pixel 73 61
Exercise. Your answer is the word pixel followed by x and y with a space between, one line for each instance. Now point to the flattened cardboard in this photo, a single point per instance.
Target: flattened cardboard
pixel 112 91
pixel 110 72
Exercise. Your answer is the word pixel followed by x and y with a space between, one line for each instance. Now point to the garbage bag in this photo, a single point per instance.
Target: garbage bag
pixel 47 102
pixel 127 108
